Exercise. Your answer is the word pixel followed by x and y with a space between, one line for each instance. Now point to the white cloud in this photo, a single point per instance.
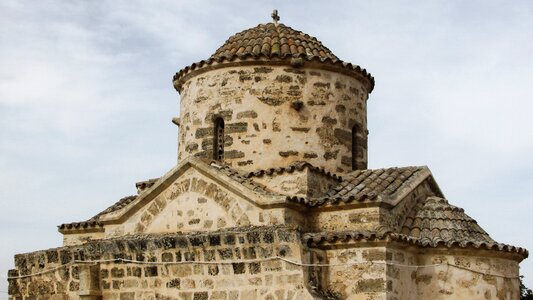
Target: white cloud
pixel 86 99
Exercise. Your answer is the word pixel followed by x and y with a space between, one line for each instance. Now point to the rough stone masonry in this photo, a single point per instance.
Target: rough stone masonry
pixel 271 198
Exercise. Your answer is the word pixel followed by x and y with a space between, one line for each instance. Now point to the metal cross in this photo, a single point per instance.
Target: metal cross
pixel 275 16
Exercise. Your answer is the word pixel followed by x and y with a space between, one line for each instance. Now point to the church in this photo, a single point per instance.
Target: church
pixel 271 198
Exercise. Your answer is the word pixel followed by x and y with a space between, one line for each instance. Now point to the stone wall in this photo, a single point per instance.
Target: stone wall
pixel 451 282
pixel 275 115
pixel 80 237
pixel 244 263
pixel 195 202
pixel 371 215
pixel 237 264
pixel 363 280
pixel 351 217
pixel 396 217
pixel 375 271
pixel 403 275
pixel 304 183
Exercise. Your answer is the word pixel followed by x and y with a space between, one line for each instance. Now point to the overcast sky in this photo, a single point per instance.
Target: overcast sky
pixel 86 100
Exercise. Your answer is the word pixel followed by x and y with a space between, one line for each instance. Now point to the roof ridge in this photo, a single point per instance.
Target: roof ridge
pixel 241 178
pixel 233 174
pixel 362 185
pixel 145 183
pixel 294 166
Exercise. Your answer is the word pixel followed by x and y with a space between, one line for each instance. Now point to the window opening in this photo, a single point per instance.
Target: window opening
pixel 354 147
pixel 218 143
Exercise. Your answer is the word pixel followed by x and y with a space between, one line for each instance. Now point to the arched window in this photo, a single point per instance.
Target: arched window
pixel 218 142
pixel 355 129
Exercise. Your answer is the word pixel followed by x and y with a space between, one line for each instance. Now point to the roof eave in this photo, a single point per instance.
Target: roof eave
pixel 315 62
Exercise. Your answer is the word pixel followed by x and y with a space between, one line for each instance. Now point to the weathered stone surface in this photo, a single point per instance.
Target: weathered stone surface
pixel 129 280
pixel 259 223
pixel 247 114
pixel 234 154
pixel 288 153
pixel 271 100
pixel 284 78
pixel 300 129
pixel 203 132
pixel 268 98
pixel 263 70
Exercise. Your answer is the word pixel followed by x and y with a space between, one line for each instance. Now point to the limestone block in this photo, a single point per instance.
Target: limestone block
pixel 267 131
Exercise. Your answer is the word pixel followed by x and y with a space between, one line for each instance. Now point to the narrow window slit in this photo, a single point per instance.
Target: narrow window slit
pixel 218 142
pixel 355 129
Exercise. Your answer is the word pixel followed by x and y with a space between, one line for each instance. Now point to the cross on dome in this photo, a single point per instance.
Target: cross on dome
pixel 275 16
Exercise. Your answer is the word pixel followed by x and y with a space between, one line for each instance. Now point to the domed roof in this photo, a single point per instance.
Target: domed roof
pixel 270 40
pixel 436 221
pixel 274 42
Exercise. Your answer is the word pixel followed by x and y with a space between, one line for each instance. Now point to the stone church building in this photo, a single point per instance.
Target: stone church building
pixel 271 198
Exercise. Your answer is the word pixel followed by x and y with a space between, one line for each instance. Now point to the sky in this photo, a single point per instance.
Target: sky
pixel 86 100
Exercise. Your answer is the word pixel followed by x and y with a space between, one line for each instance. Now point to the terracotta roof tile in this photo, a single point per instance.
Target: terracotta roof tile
pixel 364 185
pixel 94 221
pixel 321 238
pixel 146 184
pixel 89 224
pixel 240 178
pixel 273 42
pixel 295 166
pixel 118 205
pixel 436 221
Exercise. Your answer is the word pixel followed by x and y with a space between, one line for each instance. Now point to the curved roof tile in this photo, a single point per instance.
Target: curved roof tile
pixel 273 42
pixel 295 166
pixel 364 185
pixel 94 222
pixel 320 238
pixel 436 221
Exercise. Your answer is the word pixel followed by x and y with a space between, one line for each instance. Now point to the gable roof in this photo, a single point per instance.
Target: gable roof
pixel 236 182
pixel 94 222
pixel 432 222
pixel 241 178
pixel 388 185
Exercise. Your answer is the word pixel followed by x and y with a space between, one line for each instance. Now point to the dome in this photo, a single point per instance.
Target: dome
pixel 271 96
pixel 436 221
pixel 270 40
pixel 273 43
